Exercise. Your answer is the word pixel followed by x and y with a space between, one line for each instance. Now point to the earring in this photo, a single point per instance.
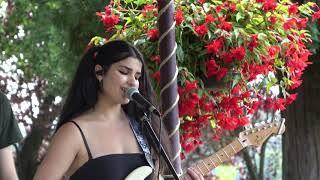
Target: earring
pixel 101 83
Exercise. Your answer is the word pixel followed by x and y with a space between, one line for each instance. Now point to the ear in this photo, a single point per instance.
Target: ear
pixel 99 71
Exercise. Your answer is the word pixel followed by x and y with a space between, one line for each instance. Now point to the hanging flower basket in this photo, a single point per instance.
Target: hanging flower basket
pixel 230 43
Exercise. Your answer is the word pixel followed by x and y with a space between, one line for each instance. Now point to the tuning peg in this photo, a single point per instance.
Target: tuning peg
pixel 248 127
pixel 257 125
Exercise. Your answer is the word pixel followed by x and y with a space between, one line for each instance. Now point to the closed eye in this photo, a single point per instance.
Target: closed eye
pixel 124 72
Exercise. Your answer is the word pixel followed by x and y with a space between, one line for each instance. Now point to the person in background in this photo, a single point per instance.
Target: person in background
pixel 9 134
pixel 99 134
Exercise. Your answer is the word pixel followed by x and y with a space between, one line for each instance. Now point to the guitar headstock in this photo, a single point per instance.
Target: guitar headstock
pixel 256 136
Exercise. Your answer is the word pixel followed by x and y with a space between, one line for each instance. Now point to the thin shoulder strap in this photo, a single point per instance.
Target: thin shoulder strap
pixel 84 140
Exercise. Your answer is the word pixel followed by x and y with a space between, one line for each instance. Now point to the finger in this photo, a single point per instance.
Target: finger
pixel 195 174
pixel 187 177
pixel 199 175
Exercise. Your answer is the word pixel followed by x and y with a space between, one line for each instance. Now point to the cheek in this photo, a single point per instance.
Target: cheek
pixel 114 82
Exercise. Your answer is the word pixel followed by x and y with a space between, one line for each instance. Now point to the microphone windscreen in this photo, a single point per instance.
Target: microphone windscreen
pixel 131 91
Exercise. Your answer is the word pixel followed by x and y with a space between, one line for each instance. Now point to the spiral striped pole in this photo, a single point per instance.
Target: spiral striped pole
pixel 168 73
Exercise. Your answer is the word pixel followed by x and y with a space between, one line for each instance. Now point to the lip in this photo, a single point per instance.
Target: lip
pixel 124 90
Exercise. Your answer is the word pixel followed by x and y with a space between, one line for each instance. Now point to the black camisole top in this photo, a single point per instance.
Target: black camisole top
pixel 112 166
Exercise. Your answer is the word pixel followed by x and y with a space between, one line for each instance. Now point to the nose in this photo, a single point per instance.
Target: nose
pixel 133 82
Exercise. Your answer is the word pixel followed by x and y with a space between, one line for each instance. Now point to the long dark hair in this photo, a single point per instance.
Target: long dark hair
pixel 83 94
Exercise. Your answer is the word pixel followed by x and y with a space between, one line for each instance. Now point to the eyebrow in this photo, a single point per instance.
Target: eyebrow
pixel 139 73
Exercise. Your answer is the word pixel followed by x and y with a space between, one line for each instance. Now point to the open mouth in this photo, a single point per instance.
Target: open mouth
pixel 124 90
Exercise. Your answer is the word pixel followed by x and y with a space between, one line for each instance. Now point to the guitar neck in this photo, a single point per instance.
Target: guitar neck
pixel 206 165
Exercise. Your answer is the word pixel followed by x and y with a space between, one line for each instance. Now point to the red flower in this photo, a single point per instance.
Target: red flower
pixel 293 9
pixel 227 26
pixel 188 104
pixel 181 91
pixel 268 104
pixel 218 9
pixel 212 68
pixel 296 82
pixel 302 22
pixel 201 30
pixel 238 53
pixel 155 59
pixel 291 98
pixel 107 10
pixel 179 17
pixel 253 43
pixel 201 1
pixel 236 90
pixel 273 19
pixel 246 95
pixel 194 98
pixel 189 86
pixel 273 51
pixel 182 156
pixel 215 45
pixel 208 107
pixel 254 107
pixel 108 20
pixel 316 15
pixel 233 7
pixel 228 123
pixel 226 57
pixel 221 73
pixel 269 5
pixel 153 34
pixel 156 76
pixel 243 121
pixel 289 24
pixel 209 18
pixel 149 9
pixel 188 147
pixel 279 104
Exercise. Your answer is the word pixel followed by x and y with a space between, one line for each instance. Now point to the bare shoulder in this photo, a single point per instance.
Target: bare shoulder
pixel 63 149
pixel 67 132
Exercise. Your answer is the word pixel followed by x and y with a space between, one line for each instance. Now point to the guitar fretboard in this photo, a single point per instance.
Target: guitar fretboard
pixel 206 165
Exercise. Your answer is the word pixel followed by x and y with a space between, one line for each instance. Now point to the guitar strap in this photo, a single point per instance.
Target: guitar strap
pixel 142 140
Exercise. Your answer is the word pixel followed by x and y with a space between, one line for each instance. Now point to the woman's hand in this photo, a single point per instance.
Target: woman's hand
pixel 193 174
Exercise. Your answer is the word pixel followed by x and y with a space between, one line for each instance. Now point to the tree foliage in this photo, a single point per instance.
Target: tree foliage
pixel 55 35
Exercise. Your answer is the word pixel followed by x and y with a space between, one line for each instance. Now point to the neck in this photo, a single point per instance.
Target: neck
pixel 107 108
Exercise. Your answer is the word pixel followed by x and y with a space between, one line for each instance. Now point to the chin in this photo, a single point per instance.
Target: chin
pixel 125 101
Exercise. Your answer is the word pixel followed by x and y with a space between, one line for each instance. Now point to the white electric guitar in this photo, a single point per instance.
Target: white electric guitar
pixel 252 137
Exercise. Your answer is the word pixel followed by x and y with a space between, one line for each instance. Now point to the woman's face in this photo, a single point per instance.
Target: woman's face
pixel 119 77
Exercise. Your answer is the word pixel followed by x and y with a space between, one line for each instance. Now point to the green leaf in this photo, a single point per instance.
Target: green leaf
pixel 262 36
pixel 118 27
pixel 128 1
pixel 239 16
pixel 213 124
pixel 128 20
pixel 206 7
pixel 180 54
pixel 235 80
pixel 141 2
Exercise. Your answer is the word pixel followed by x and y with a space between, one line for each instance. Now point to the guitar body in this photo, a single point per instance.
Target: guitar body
pixel 139 173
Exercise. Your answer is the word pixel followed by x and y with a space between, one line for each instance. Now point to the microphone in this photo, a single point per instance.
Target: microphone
pixel 134 95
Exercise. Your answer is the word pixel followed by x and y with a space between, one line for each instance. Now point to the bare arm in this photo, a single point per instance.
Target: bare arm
pixel 62 152
pixel 7 167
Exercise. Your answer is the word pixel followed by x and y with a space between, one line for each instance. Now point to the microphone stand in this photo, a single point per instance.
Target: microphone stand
pixel 156 143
